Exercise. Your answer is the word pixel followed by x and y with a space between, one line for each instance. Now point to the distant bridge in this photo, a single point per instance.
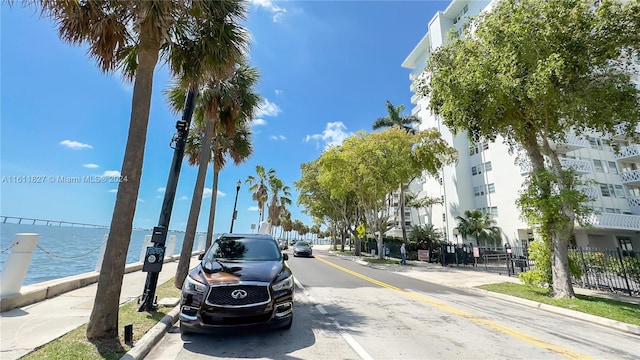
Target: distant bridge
pixel 31 221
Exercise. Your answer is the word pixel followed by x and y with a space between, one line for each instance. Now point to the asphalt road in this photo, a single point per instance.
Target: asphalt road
pixel 344 310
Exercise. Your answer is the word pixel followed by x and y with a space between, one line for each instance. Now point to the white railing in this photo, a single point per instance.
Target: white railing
pixel 613 221
pixel 415 98
pixel 628 151
pixel 591 191
pixel 581 166
pixel 630 176
pixel 621 129
pixel 633 201
pixel 415 110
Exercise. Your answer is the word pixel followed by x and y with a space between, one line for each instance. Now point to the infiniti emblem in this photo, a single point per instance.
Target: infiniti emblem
pixel 239 294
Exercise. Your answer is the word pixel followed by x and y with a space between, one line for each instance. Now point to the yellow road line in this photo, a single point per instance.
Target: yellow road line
pixel 530 339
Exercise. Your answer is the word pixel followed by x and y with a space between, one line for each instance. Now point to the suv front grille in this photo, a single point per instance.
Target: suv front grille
pixel 238 295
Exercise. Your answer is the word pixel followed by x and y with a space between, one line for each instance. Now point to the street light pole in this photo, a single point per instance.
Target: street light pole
pixel 235 204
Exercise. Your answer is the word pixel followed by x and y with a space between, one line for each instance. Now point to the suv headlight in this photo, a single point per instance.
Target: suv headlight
pixel 284 284
pixel 190 284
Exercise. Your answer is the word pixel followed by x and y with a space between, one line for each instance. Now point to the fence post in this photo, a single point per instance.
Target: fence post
pixel 147 243
pixel 17 264
pixel 585 270
pixel 624 271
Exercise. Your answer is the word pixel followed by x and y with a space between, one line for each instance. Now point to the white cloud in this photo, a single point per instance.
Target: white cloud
pixel 267 108
pixel 111 173
pixel 258 122
pixel 277 137
pixel 253 208
pixel 277 11
pixel 91 166
pixel 207 192
pixel 140 200
pixel 278 92
pixel 161 189
pixel 75 145
pixel 113 190
pixel 333 134
pixel 184 198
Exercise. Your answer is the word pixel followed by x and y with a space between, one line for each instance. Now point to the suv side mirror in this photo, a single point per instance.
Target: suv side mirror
pixel 201 256
pixel 285 256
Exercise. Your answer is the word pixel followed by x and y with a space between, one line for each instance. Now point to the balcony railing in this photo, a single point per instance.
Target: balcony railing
pixel 592 192
pixel 631 153
pixel 580 166
pixel 632 176
pixel 572 143
pixel 612 221
pixel 620 131
pixel 415 110
pixel 415 98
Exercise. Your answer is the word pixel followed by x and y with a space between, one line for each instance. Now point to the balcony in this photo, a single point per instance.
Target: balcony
pixel 592 192
pixel 634 204
pixel 620 131
pixel 581 167
pixel 612 221
pixel 416 110
pixel 631 177
pixel 629 153
pixel 573 143
pixel 415 98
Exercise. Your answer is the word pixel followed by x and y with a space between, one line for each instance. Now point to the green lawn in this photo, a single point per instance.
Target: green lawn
pixel 74 345
pixel 606 308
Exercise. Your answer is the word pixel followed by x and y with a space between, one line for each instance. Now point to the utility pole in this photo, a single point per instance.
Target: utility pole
pixel 155 254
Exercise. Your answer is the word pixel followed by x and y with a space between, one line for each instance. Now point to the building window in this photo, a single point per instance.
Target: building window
pixel 604 190
pixel 625 244
pixel 487 166
pixel 613 168
pixel 474 170
pixel 466 8
pixel 491 188
pixel 478 190
pixel 597 164
pixel 610 210
pixel 619 191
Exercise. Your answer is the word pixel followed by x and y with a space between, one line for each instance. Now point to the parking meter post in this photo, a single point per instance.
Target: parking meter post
pixel 508 259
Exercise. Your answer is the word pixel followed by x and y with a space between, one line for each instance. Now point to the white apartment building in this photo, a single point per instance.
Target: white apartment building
pixel 487 178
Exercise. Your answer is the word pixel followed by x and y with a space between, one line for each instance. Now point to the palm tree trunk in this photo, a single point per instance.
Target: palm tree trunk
pixel 212 210
pixel 103 321
pixel 196 202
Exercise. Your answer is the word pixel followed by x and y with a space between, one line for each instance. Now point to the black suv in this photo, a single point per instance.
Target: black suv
pixel 242 280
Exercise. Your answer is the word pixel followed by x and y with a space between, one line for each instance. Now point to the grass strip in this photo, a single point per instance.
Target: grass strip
pixel 74 345
pixel 606 308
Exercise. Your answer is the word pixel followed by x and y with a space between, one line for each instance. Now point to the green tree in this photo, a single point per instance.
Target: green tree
pixel 395 118
pixel 379 162
pixel 280 198
pixel 530 71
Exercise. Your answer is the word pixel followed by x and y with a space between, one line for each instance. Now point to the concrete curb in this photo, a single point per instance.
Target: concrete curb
pixel 153 336
pixel 617 325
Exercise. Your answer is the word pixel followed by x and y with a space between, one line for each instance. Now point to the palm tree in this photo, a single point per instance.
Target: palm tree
pixel 425 202
pixel 280 198
pixel 396 119
pixel 479 225
pixel 258 186
pixel 106 26
pixel 222 111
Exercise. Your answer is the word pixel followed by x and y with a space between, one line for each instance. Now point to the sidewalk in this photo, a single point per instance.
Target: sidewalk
pixel 24 329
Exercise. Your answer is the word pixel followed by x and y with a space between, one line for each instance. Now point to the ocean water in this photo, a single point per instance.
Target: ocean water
pixel 65 251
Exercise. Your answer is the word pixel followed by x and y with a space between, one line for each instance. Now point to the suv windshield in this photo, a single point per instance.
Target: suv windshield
pixel 230 248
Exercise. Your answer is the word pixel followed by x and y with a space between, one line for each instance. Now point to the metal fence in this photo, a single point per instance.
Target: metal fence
pixel 612 270
pixel 608 269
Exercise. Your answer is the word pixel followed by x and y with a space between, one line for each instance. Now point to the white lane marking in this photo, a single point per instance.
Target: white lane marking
pixel 345 335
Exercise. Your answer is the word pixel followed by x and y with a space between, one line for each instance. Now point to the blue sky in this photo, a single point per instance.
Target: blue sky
pixel 327 69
